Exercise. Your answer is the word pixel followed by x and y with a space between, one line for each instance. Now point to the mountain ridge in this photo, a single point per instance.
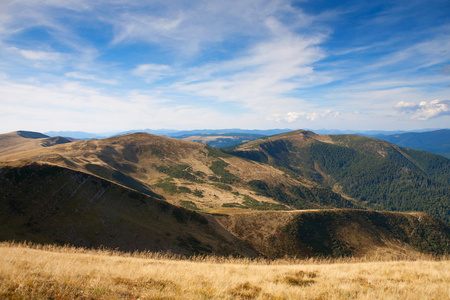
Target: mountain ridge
pixel 375 172
pixel 143 170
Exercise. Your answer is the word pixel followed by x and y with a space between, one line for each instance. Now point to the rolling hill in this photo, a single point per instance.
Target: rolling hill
pixel 141 191
pixel 186 173
pixel 375 173
pixel 20 141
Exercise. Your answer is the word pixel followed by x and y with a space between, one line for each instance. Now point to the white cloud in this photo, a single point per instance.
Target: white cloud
pixel 69 105
pixel 424 110
pixel 263 77
pixel 149 68
pixel 291 117
pixel 151 72
pixel 90 77
pixel 40 55
pixel 192 26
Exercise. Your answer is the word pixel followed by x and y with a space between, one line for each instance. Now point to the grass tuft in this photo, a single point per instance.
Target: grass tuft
pixel 245 291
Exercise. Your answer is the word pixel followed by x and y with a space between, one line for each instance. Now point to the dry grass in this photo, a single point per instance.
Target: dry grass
pixel 64 273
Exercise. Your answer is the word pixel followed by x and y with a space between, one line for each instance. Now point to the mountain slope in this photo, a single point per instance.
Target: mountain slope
pixel 338 233
pixel 19 141
pixel 109 192
pixel 188 173
pixel 50 204
pixel 378 174
pixel 437 141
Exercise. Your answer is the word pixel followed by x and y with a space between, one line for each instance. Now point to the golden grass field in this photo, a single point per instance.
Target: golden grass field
pixel 36 272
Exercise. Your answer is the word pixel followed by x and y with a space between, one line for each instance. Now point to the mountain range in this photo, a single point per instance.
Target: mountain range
pixel 435 141
pixel 265 197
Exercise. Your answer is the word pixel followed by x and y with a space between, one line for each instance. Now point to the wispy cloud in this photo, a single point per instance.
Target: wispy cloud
pixel 90 77
pixel 255 63
pixel 263 78
pixel 195 25
pixel 40 55
pixel 152 72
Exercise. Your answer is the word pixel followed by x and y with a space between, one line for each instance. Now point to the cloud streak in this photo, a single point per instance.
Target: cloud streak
pixel 256 63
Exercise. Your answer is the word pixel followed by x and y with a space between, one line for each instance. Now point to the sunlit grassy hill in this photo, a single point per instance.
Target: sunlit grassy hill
pixel 185 173
pixel 20 141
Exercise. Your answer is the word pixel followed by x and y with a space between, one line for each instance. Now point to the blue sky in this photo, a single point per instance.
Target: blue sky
pixel 103 66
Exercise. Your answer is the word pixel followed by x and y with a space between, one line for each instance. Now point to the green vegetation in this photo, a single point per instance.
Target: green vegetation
pixel 223 175
pixel 377 174
pixel 300 197
pixel 168 185
pixel 422 233
pixel 189 205
pixel 223 186
pixel 316 231
pixel 217 153
pixel 395 184
pixel 233 204
pixel 320 233
pixel 252 203
pixel 198 193
pixel 179 171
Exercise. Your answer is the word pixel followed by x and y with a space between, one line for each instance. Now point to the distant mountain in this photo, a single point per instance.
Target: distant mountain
pixel 19 141
pixel 165 132
pixel 376 173
pixel 267 132
pixel 219 140
pixel 79 135
pixel 437 141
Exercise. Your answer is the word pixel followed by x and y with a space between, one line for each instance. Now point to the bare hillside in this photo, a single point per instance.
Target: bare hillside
pixel 19 141
pixel 185 173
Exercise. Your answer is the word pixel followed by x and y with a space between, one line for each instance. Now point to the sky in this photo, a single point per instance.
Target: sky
pixel 116 65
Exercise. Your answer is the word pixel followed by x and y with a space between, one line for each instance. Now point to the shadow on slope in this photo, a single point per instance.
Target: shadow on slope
pixel 339 233
pixel 50 204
